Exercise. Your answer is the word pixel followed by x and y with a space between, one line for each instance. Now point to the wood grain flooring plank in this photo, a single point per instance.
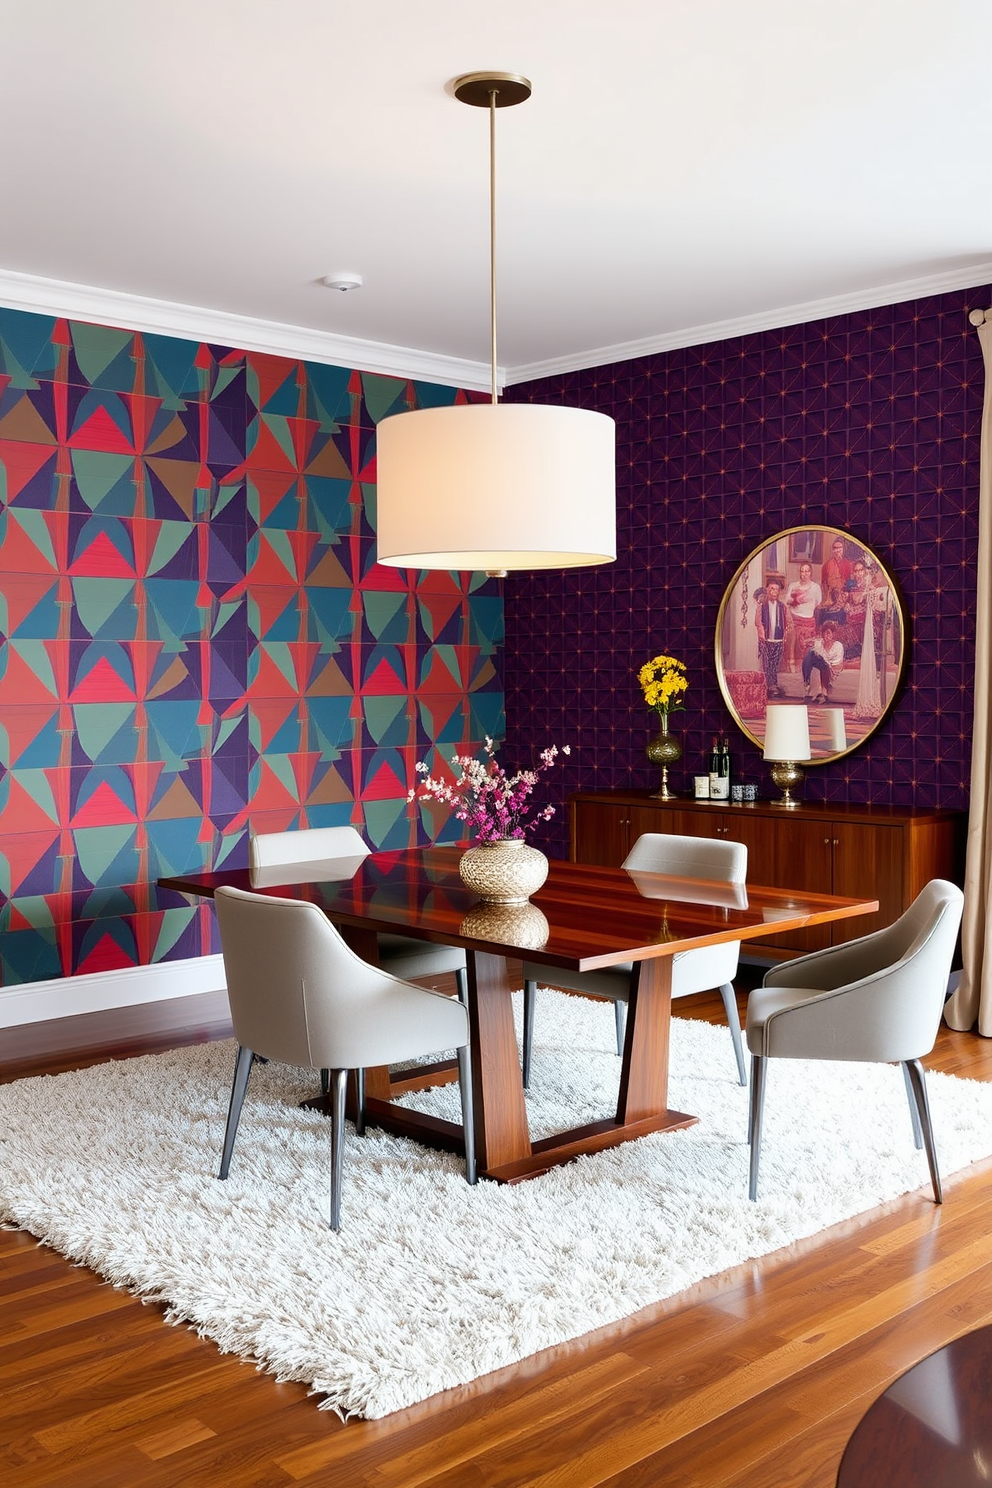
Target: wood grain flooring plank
pixel 67 1384
pixel 424 1463
pixel 117 1416
pixel 177 1438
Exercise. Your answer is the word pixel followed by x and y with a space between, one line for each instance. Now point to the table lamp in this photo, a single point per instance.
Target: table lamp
pixel 786 741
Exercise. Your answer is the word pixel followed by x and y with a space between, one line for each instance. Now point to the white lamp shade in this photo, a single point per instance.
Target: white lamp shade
pixel 496 486
pixel 836 731
pixel 786 732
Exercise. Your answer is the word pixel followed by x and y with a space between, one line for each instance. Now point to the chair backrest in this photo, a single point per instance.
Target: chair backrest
pixel 883 994
pixel 920 949
pixel 712 859
pixel 301 996
pixel 928 929
pixel 309 845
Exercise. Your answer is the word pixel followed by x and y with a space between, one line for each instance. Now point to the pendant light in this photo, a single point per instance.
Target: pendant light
pixel 496 486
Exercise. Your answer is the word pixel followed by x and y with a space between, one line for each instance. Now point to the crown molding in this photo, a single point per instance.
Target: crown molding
pixel 131 312
pixel 976 275
pixel 197 323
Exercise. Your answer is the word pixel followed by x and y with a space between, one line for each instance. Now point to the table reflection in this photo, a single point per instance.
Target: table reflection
pixel 689 890
pixel 317 870
pixel 521 925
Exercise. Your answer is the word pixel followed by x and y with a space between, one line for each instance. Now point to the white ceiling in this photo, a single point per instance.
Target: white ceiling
pixel 685 168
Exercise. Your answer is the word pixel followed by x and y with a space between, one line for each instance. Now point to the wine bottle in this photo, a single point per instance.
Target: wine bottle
pixel 715 771
pixel 720 781
pixel 724 769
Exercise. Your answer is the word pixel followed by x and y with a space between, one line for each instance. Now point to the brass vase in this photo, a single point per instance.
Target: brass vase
pixel 664 750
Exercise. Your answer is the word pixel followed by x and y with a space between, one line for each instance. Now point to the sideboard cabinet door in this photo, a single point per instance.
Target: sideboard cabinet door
pixel 600 833
pixel 872 861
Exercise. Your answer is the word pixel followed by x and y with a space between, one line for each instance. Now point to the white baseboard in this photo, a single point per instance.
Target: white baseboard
pixel 96 992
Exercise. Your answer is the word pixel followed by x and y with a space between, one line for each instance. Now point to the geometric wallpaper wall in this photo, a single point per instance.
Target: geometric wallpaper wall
pixel 868 422
pixel 195 637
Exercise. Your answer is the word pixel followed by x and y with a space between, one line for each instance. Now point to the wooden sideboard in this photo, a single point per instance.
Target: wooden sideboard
pixel 880 852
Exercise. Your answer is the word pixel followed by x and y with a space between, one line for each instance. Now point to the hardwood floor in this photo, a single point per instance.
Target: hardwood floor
pixel 756 1377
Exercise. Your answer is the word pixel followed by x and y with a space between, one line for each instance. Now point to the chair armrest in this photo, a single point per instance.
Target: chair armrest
pixel 891 1016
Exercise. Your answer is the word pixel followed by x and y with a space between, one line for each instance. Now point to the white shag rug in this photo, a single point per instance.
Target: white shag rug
pixel 430 1283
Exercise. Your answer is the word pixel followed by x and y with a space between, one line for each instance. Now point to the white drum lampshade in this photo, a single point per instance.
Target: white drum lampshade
pixel 786 732
pixel 496 487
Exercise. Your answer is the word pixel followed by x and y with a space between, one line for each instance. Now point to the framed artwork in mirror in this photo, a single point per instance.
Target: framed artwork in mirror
pixel 812 617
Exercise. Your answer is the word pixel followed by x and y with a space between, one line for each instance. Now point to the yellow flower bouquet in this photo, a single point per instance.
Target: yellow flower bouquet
pixel 663 682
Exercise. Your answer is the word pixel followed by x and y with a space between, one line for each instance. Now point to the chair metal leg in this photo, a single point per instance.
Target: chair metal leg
pixel 620 1015
pixel 339 1087
pixel 325 1081
pixel 468 1111
pixel 734 1022
pixel 359 1103
pixel 758 1072
pixel 918 1084
pixel 242 1070
pixel 461 982
pixel 530 997
pixel 917 1128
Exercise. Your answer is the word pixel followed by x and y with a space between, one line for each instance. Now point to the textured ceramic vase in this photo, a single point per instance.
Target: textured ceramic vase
pixel 664 750
pixel 505 872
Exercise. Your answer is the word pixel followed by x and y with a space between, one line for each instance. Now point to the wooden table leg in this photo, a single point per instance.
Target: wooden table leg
pixel 642 1107
pixel 501 1131
pixel 503 1145
pixel 644 1077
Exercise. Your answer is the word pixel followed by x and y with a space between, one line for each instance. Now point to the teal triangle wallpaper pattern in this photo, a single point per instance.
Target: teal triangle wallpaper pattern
pixel 195 637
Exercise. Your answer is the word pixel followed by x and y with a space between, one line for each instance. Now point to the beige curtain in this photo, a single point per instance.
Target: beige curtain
pixel 973 999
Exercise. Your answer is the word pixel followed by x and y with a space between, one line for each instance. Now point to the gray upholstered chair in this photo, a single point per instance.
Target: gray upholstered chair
pixel 299 995
pixel 339 851
pixel 879 998
pixel 713 861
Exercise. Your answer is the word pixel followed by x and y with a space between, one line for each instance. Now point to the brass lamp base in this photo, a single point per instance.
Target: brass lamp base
pixel 787 776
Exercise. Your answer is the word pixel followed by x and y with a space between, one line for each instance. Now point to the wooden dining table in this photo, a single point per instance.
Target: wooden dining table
pixel 583 918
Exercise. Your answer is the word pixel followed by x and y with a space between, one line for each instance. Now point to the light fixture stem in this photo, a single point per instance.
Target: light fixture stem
pixel 492 573
pixel 492 233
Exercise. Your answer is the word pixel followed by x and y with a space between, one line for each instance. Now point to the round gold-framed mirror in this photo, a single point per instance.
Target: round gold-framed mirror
pixel 794 626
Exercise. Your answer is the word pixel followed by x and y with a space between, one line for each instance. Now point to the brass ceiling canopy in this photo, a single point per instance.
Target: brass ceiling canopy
pixel 477 89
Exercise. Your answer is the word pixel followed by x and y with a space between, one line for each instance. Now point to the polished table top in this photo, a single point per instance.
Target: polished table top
pixel 584 917
pixel 589 916
pixel 932 1427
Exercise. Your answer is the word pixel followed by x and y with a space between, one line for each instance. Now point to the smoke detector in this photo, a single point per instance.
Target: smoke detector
pixel 344 280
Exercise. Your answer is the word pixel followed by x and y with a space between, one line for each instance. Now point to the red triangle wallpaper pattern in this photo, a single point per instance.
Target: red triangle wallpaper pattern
pixel 195 637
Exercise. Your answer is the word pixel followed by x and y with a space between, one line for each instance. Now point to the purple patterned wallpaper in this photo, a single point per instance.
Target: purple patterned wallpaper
pixel 869 422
